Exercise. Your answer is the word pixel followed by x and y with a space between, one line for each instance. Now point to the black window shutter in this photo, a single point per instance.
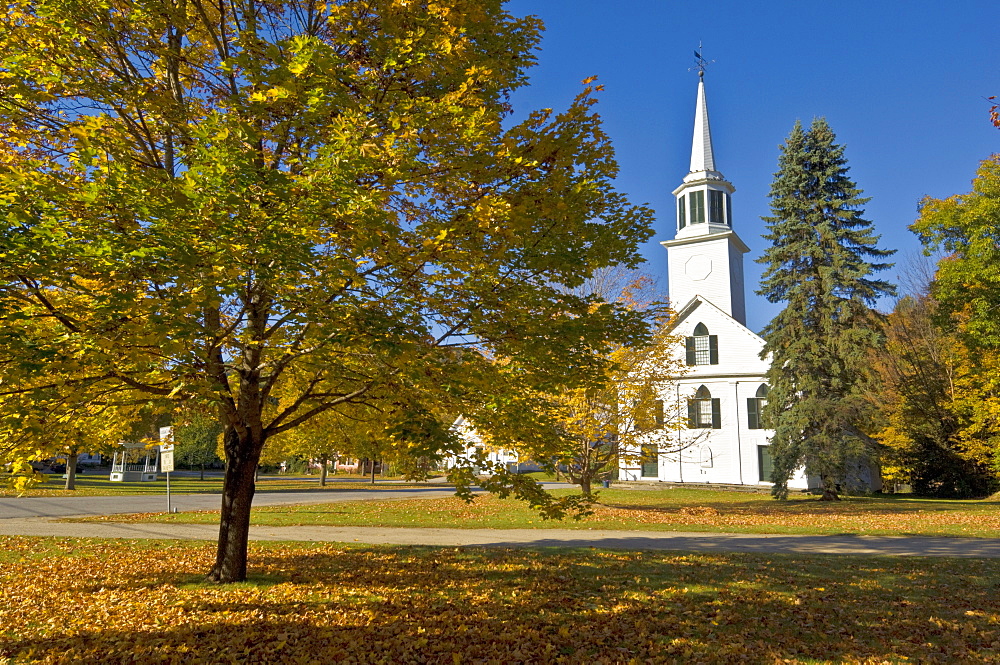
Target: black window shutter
pixel 689 344
pixel 716 413
pixel 753 417
pixel 658 412
pixel 692 413
pixel 713 349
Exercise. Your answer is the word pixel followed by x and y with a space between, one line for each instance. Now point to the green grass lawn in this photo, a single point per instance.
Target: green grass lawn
pixel 87 600
pixel 660 510
pixel 97 484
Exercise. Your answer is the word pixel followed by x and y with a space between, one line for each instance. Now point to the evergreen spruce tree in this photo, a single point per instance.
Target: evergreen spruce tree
pixel 822 257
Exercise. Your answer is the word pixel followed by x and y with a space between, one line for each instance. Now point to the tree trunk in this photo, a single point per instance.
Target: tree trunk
pixel 202 471
pixel 373 472
pixel 71 471
pixel 322 473
pixel 585 486
pixel 829 490
pixel 242 457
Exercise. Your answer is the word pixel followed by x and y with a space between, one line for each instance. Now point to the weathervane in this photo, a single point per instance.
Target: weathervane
pixel 700 62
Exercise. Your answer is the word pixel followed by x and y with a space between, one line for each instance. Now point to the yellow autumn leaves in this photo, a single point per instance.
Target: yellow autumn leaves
pixel 136 601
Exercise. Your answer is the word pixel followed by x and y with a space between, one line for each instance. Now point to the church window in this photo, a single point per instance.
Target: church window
pixel 650 462
pixel 681 212
pixel 702 348
pixel 697 207
pixel 755 408
pixel 704 411
pixel 658 412
pixel 706 457
pixel 729 210
pixel 764 463
pixel 715 207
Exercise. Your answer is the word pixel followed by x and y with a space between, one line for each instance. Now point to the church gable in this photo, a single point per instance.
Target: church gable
pixel 714 343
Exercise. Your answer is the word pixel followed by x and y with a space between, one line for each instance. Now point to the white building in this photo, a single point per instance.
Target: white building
pixel 474 445
pixel 722 393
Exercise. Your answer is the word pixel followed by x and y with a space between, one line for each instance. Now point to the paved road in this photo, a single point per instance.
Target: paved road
pixel 41 506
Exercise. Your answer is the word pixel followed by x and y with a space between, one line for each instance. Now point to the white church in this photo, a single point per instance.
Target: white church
pixel 721 395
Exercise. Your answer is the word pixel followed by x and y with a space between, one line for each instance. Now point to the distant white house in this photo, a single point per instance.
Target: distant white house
pixel 474 446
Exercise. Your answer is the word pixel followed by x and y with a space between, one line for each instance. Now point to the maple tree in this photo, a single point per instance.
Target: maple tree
pixel 820 264
pixel 199 200
pixel 586 431
pixel 346 432
pixel 966 283
pixel 966 287
pixel 928 391
pixel 196 440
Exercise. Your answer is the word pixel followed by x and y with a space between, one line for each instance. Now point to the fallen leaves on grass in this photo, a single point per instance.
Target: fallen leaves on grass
pixel 643 510
pixel 133 601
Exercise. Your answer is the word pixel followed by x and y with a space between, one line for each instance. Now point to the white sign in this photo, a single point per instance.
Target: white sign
pixel 167 434
pixel 167 460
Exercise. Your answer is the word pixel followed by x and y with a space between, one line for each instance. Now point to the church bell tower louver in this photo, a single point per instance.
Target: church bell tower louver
pixel 705 258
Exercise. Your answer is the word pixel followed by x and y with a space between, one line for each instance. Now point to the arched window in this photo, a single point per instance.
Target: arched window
pixel 704 411
pixel 755 407
pixel 706 457
pixel 702 348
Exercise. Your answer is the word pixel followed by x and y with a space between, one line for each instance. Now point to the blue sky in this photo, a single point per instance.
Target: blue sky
pixel 903 84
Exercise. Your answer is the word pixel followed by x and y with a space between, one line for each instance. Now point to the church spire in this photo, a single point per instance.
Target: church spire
pixel 706 255
pixel 702 156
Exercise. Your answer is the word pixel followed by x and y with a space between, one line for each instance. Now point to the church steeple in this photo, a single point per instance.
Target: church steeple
pixel 704 198
pixel 706 256
pixel 702 155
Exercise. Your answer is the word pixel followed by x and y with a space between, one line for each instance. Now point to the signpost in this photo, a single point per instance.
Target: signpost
pixel 167 456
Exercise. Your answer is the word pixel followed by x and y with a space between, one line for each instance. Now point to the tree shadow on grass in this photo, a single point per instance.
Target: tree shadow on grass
pixel 849 507
pixel 391 604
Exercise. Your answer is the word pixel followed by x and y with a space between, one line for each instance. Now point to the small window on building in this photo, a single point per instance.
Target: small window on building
pixel 702 348
pixel 764 463
pixel 658 412
pixel 650 462
pixel 704 411
pixel 706 457
pixel 715 211
pixel 697 207
pixel 729 210
pixel 755 408
pixel 681 212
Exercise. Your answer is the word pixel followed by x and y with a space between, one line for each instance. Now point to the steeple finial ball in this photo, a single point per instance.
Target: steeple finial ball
pixel 701 74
